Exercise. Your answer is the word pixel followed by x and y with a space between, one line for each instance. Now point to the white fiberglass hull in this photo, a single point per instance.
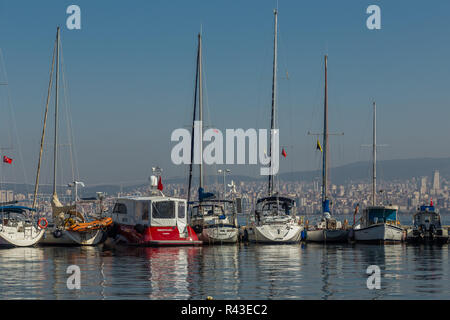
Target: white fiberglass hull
pixel 323 235
pixel 11 236
pixel 273 233
pixel 219 234
pixel 382 232
pixel 88 238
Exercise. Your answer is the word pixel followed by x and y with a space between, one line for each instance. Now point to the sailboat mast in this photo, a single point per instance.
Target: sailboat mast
pixel 55 147
pixel 193 125
pixel 374 153
pixel 274 95
pixel 325 140
pixel 200 107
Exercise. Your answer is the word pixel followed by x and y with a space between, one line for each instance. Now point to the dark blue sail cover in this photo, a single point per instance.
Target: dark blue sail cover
pixel 202 195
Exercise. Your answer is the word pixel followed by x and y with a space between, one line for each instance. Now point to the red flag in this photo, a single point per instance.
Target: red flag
pixel 7 160
pixel 431 202
pixel 284 153
pixel 160 185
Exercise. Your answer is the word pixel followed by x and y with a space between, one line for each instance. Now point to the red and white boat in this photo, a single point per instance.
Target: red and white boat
pixel 155 220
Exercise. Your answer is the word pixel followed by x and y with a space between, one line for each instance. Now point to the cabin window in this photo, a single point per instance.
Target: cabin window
pixel 145 211
pixel 120 208
pixel 163 210
pixel 181 210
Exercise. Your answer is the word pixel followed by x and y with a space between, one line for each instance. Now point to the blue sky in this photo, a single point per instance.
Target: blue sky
pixel 130 73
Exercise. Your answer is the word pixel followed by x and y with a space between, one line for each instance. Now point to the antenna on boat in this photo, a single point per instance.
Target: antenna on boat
pixel 154 181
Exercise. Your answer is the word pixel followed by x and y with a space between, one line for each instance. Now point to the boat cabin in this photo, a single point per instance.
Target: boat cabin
pixel 11 215
pixel 150 211
pixel 380 214
pixel 214 207
pixel 275 205
pixel 427 216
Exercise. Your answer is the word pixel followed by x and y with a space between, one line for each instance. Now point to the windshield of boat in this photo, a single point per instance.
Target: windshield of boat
pixel 382 215
pixel 163 209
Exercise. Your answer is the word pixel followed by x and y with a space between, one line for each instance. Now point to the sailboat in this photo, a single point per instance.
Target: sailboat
pixel 69 227
pixel 328 229
pixel 18 227
pixel 214 220
pixel 379 223
pixel 275 218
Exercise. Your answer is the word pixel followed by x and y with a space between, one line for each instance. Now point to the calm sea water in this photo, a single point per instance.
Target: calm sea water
pixel 243 271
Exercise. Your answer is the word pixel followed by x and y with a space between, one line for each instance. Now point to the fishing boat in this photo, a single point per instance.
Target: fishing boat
pixel 18 228
pixel 328 229
pixel 154 220
pixel 275 217
pixel 379 223
pixel 68 226
pixel 427 226
pixel 214 220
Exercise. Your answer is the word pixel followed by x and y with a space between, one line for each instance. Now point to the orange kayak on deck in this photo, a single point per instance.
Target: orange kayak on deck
pixel 93 225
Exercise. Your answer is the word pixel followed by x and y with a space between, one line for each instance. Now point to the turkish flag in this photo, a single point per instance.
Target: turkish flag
pixel 160 185
pixel 7 160
pixel 284 153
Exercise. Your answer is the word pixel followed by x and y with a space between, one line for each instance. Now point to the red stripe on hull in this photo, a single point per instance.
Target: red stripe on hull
pixel 158 236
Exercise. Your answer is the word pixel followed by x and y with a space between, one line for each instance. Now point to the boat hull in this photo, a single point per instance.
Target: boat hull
pixel 379 233
pixel 73 238
pixel 282 234
pixel 155 236
pixel 417 237
pixel 324 235
pixel 10 237
pixel 218 234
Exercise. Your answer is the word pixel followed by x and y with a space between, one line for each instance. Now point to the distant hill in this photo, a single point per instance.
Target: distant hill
pixel 387 170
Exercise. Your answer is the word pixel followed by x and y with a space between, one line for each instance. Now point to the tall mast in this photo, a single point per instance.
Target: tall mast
pixel 55 147
pixel 374 153
pixel 200 107
pixel 274 95
pixel 193 124
pixel 325 144
pixel 36 186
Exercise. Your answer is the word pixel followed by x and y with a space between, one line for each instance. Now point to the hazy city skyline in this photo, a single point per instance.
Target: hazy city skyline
pixel 130 76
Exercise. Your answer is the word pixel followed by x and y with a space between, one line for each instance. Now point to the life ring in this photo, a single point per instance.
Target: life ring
pixel 45 223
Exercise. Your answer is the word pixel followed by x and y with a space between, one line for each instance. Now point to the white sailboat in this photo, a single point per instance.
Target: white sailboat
pixel 18 227
pixel 214 220
pixel 69 227
pixel 275 218
pixel 379 223
pixel 328 229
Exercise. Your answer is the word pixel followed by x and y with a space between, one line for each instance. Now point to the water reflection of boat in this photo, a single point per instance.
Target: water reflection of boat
pixel 427 226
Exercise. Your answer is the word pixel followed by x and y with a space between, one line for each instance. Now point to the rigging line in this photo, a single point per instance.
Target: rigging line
pixel 36 186
pixel 68 120
pixel 13 118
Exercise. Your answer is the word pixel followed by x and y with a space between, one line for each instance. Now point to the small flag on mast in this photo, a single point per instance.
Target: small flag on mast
pixel 319 147
pixel 7 160
pixel 160 185
pixel 284 153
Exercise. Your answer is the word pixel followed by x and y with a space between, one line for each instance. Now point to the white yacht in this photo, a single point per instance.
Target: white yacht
pixel 274 221
pixel 18 228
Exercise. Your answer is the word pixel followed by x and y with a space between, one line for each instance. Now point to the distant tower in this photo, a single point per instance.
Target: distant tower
pixel 423 185
pixel 436 185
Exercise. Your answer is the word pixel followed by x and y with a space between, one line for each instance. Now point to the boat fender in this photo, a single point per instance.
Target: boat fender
pixel 303 234
pixel 139 228
pixel 42 226
pixel 57 233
